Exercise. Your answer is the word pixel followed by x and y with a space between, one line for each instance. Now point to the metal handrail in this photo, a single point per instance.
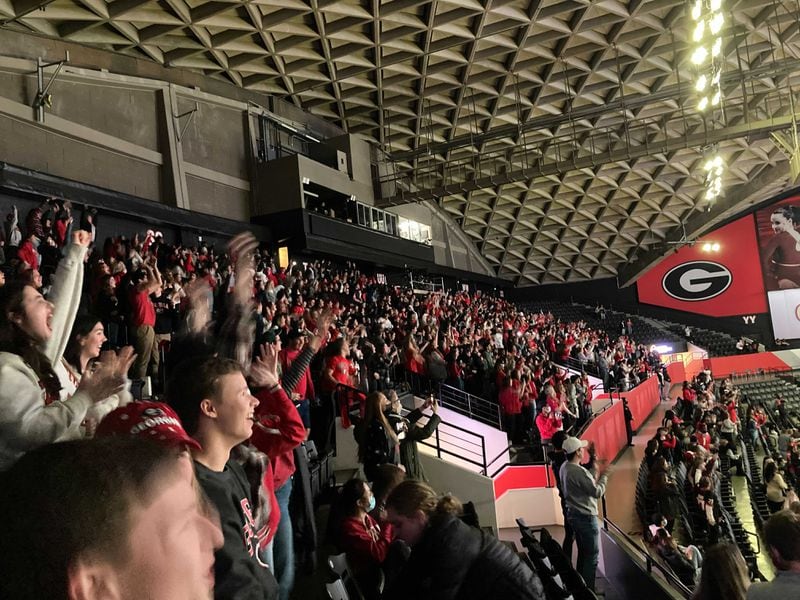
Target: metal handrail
pixel 643 554
pixel 439 450
pixel 472 406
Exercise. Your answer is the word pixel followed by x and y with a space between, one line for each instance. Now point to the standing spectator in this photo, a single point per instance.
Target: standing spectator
pixel 581 489
pixel 511 408
pixel 303 392
pixel 12 232
pixel 378 444
pixel 214 403
pixel 410 432
pixel 33 336
pixel 143 320
pixel 28 252
pixel 626 410
pixel 782 536
pixel 724 575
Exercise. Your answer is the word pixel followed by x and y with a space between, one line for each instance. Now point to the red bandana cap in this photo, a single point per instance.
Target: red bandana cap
pixel 150 420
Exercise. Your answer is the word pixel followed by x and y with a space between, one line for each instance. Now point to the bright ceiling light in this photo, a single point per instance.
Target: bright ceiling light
pixel 716 48
pixel 701 83
pixel 715 247
pixel 697 10
pixel 715 4
pixel 703 104
pixel 706 247
pixel 698 31
pixel 715 24
pixel 715 99
pixel 699 55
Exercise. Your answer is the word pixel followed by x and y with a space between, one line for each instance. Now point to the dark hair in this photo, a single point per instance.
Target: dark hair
pixel 192 382
pixel 70 501
pixel 558 439
pixel 81 328
pixel 387 477
pixel 16 341
pixel 770 469
pixel 724 575
pixel 782 534
pixel 351 493
pixel 788 212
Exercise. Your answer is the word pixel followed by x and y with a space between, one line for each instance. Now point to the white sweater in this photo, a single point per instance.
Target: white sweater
pixel 70 380
pixel 26 422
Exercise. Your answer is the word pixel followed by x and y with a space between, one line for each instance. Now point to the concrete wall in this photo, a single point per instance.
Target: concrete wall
pixel 451 246
pixel 133 127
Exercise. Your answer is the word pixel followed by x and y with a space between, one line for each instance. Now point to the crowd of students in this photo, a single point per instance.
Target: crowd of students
pixel 253 355
pixel 225 429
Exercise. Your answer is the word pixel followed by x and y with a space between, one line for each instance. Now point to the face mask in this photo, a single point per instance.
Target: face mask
pixel 371 504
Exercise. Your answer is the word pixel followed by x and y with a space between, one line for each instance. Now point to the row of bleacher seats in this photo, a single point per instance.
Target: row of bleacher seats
pixel 765 392
pixel 643 331
pixel 544 555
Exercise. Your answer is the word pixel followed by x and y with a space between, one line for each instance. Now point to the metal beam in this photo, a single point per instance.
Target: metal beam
pixel 626 153
pixel 674 92
pixel 702 222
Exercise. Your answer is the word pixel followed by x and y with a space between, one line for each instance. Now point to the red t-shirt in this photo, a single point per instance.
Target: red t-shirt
pixel 342 369
pixel 142 310
pixel 510 401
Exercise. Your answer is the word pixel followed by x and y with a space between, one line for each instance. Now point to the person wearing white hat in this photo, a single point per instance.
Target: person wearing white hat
pixel 581 489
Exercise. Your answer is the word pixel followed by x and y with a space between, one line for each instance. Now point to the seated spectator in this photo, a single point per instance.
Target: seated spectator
pixel 686 561
pixel 122 519
pixel 724 574
pixel 776 487
pixel 451 560
pixel 214 403
pixel 386 479
pixel 782 537
pixel 364 539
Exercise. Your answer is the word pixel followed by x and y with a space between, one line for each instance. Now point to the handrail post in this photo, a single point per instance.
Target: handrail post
pixel 469 404
pixel 483 451
pixel 438 447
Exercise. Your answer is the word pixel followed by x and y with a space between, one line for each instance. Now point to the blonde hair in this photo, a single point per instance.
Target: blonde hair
pixel 411 495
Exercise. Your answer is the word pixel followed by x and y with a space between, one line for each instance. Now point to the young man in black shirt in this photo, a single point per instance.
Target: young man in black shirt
pixel 217 409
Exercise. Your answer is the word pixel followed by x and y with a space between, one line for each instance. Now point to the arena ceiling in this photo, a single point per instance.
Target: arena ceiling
pixel 560 135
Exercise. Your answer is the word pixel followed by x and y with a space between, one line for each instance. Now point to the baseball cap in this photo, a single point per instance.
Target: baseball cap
pixel 572 444
pixel 271 335
pixel 150 420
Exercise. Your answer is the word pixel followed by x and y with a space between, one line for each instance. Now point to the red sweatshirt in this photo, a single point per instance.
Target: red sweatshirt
pixel 510 401
pixel 356 539
pixel 278 432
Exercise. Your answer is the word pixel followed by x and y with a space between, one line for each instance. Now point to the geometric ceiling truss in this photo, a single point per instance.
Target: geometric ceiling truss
pixel 560 135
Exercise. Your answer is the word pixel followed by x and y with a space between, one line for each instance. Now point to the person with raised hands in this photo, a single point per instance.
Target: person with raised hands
pixel 33 337
pixel 81 356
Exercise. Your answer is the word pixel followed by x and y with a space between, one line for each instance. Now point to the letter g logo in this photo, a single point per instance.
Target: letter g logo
pixel 697 280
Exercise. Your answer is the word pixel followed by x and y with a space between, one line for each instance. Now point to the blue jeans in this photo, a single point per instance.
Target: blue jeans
pixel 587 533
pixel 283 543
